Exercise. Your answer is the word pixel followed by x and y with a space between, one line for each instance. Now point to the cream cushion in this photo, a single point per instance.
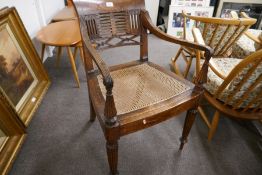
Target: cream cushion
pixel 225 66
pixel 245 46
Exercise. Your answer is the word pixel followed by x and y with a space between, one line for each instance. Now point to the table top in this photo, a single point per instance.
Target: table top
pixel 64 33
pixel 67 13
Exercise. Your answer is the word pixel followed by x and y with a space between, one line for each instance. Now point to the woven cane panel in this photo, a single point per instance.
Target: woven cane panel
pixel 141 86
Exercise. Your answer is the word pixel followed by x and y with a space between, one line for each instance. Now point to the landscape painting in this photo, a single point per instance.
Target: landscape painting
pixel 16 79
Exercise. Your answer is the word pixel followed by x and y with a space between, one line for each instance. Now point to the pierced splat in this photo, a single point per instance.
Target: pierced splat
pixel 117 41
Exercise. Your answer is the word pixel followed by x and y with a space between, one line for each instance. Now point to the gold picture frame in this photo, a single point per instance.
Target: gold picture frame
pixel 12 135
pixel 23 81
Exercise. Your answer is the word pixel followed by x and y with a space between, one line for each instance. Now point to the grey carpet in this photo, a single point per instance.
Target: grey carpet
pixel 61 141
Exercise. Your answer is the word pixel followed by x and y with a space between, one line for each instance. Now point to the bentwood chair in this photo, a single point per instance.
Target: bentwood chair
pixel 234 89
pixel 218 33
pixel 130 97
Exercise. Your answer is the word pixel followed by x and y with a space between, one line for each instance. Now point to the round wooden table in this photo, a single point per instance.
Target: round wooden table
pixel 62 34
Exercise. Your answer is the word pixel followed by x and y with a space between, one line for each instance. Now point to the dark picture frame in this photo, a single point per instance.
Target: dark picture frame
pixel 252 8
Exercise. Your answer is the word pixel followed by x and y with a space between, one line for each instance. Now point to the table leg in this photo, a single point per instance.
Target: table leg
pixel 43 52
pixel 72 61
pixel 59 51
pixel 75 52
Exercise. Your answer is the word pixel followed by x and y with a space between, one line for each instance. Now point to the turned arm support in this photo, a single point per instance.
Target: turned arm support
pixel 148 24
pixel 110 109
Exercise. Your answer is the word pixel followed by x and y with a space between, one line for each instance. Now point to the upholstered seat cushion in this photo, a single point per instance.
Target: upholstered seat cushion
pixel 245 46
pixel 225 66
pixel 259 45
pixel 141 86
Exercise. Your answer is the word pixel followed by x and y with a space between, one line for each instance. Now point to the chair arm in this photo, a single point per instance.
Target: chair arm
pixel 101 65
pixel 253 37
pixel 244 15
pixel 110 111
pixel 248 34
pixel 199 39
pixel 148 24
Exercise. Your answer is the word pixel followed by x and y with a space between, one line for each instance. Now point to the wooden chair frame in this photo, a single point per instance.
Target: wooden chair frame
pixel 247 33
pixel 234 111
pixel 240 24
pixel 113 124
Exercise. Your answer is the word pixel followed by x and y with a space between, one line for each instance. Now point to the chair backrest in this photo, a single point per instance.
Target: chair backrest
pixel 220 33
pixel 244 84
pixel 256 37
pixel 110 23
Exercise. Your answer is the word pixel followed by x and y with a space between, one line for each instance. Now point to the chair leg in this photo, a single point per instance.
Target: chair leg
pixel 72 61
pixel 92 111
pixel 75 52
pixel 214 124
pixel 188 66
pixel 43 52
pixel 82 55
pixel 59 51
pixel 112 155
pixel 173 62
pixel 204 116
pixel 190 118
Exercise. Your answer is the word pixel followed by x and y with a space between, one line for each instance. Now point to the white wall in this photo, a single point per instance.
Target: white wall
pixel 28 13
pixel 50 8
pixel 152 7
pixel 35 14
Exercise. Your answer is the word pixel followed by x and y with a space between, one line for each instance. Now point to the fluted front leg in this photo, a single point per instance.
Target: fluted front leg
pixel 190 118
pixel 112 155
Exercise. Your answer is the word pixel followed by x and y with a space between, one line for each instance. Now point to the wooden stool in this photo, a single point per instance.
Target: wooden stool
pixel 62 34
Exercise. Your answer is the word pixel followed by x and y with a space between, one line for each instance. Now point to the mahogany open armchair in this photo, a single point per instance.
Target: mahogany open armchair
pixel 218 33
pixel 130 97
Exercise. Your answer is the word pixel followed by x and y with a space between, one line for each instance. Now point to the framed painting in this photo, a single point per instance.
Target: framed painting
pixel 12 135
pixel 253 8
pixel 176 21
pixel 23 79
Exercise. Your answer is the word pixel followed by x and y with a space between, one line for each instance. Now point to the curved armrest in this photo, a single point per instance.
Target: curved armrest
pixel 110 109
pixel 249 34
pixel 202 76
pixel 148 24
pixel 253 37
pixel 103 68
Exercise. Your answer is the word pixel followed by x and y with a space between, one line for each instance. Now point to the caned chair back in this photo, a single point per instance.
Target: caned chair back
pixel 219 33
pixel 110 23
pixel 243 85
